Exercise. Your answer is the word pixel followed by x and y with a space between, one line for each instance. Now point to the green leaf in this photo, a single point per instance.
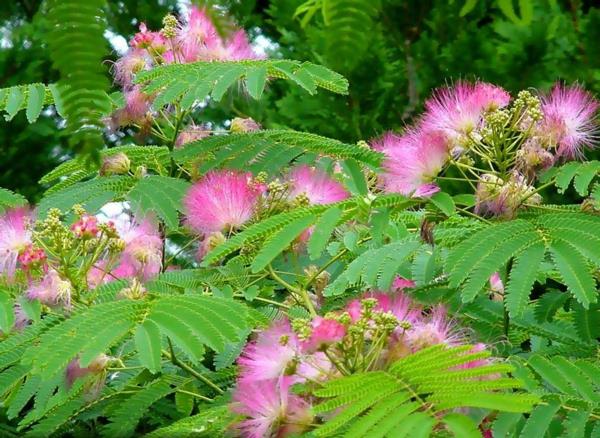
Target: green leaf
pixel 13 102
pixel 461 426
pixel 255 81
pixel 357 183
pixel 147 341
pixel 322 232
pixel 539 420
pixel 575 272
pixel 7 312
pixel 35 101
pixel 467 7
pixel 444 202
pixel 521 279
pixel 161 195
pixel 279 242
pixel 226 80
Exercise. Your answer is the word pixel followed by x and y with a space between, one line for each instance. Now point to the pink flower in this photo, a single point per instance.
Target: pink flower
pixel 436 329
pixel 270 409
pixel 238 48
pixel 316 185
pixel 196 36
pixel 142 257
pixel 401 283
pixel 14 238
pixel 457 111
pixel 75 371
pixel 269 356
pixel 31 258
pixel 239 124
pixel 51 290
pixel 134 61
pixel 324 332
pixel 190 134
pixel 398 304
pixel 86 226
pixel 569 120
pixel 154 42
pixel 220 201
pixel 496 283
pixel 475 363
pixel 412 161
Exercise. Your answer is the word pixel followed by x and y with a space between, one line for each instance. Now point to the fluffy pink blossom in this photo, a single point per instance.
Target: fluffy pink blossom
pixel 325 331
pixel 51 290
pixel 436 329
pixel 412 161
pixel 154 42
pixel 475 363
pixel 220 201
pixel 316 185
pixel 196 36
pixel 14 238
pixel 398 304
pixel 569 120
pixel 456 111
pixel 86 226
pixel 268 357
pixel 238 48
pixel 270 409
pixel 190 134
pixel 137 105
pixel 142 257
pixel 496 283
pixel 134 61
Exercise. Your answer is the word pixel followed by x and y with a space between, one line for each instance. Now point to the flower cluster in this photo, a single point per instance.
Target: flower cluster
pixel 499 142
pixel 225 200
pixel 370 333
pixel 194 39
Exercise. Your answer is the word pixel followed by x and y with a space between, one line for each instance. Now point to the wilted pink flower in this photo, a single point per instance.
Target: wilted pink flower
pixel 496 197
pixel 75 371
pixel 220 201
pixel 436 329
pixel 134 61
pixel 239 124
pixel 21 318
pixel 531 158
pixel 268 357
pixel 210 241
pixel 412 161
pixel 400 283
pixel 14 238
pixel 142 257
pixel 51 290
pixel 316 185
pixel 190 134
pixel 324 332
pixel 496 283
pixel 569 120
pixel 86 226
pixel 456 111
pixel 270 409
pixel 154 42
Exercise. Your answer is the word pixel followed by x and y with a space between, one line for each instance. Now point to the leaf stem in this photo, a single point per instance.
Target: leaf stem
pixel 178 363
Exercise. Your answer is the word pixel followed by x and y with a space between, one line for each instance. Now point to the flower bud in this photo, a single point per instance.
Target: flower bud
pixel 240 125
pixel 117 164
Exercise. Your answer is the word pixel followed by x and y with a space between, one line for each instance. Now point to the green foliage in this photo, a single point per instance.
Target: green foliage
pixel 9 199
pixel 569 238
pixel 417 389
pixel 569 393
pixel 192 83
pixel 268 150
pixel 76 41
pixel 32 98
